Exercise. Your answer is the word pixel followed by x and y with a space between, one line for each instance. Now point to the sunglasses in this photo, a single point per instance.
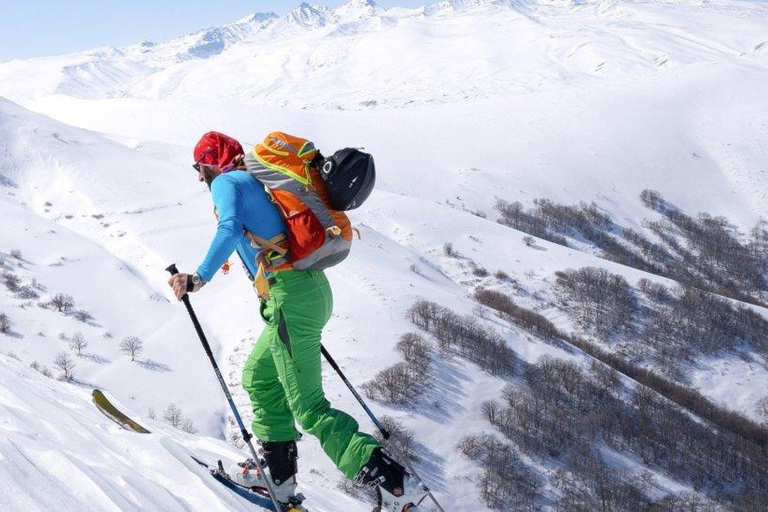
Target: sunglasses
pixel 196 166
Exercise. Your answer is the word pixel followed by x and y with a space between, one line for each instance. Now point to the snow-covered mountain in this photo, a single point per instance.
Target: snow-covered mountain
pixel 463 103
pixel 360 55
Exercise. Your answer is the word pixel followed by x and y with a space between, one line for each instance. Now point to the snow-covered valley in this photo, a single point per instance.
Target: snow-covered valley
pixel 463 104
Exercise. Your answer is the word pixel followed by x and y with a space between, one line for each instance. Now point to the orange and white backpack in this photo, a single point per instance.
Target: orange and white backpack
pixel 306 187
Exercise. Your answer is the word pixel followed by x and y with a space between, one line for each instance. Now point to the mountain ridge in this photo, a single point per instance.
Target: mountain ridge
pixel 371 58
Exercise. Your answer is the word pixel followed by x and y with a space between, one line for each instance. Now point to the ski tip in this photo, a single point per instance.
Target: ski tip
pixel 101 401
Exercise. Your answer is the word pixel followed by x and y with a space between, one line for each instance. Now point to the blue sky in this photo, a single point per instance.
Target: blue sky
pixel 34 28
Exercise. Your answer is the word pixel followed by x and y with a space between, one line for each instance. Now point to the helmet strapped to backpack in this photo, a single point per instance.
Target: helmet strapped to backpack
pixel 350 176
pixel 319 235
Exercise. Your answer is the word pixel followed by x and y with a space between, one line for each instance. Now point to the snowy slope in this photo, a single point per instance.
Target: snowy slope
pixel 59 452
pixel 461 102
pixel 173 369
pixel 400 234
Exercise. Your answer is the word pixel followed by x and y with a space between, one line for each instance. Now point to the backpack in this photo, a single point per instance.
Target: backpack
pixel 289 167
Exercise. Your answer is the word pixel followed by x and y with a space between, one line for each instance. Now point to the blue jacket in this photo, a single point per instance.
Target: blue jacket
pixel 242 204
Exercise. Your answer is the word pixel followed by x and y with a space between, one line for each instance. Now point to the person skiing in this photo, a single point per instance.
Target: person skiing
pixel 282 375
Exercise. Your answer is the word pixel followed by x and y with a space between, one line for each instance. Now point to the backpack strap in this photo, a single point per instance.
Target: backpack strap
pixel 273 255
pixel 272 244
pixel 272 258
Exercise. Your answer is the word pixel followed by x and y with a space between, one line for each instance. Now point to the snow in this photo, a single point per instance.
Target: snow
pixel 59 452
pixel 358 54
pixel 461 102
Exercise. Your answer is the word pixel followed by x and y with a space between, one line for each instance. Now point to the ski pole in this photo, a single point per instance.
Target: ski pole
pixel 243 432
pixel 384 433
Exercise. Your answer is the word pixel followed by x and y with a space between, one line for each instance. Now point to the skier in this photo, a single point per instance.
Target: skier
pixel 283 374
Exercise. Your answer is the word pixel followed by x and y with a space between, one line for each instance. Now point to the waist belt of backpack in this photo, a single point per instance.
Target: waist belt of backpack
pixel 274 252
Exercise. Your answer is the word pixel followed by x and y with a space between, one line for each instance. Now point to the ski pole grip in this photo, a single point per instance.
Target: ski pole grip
pixel 172 269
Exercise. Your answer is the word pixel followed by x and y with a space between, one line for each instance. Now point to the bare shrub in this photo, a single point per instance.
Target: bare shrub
pixel 652 199
pixel 414 349
pixel 5 323
pixel 82 316
pixel 490 410
pixel 657 292
pixel 465 335
pixel 63 302
pixel 173 415
pixel 132 346
pixel 11 281
pixel 501 302
pixel 606 377
pixel 762 409
pixel 16 254
pixel 398 384
pixel 423 313
pixel 448 250
pixel 520 316
pixel 506 482
pixel 529 241
pixel 65 363
pixel 188 426
pixel 42 369
pixel 27 293
pixel 78 343
pixel 479 270
pixel 501 275
pixel 601 302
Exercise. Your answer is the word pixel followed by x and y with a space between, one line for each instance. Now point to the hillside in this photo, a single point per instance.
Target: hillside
pixel 60 452
pixel 463 104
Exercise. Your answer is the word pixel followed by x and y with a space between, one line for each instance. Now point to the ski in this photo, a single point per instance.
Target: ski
pixel 252 495
pixel 113 413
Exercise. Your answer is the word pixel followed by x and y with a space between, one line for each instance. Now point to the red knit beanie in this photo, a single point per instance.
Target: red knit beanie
pixel 215 148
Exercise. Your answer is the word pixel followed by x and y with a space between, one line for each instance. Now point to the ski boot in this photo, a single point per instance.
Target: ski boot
pixel 280 464
pixel 396 489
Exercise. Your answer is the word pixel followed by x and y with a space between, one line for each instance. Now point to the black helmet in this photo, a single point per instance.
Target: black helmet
pixel 350 175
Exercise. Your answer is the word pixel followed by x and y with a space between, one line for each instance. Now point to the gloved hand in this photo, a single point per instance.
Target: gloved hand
pixel 184 283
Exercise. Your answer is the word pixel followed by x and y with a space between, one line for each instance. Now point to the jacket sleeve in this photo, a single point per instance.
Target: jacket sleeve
pixel 229 205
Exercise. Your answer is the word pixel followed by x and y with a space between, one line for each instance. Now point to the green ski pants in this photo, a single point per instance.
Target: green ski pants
pixel 283 374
